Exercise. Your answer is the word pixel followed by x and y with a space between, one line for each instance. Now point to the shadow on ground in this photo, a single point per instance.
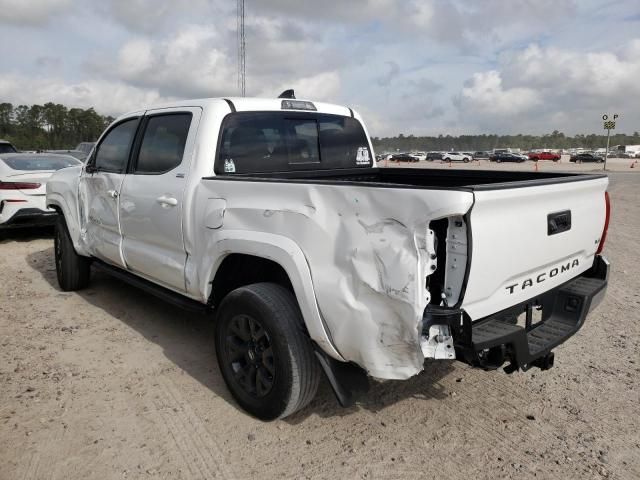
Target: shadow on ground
pixel 187 340
pixel 25 234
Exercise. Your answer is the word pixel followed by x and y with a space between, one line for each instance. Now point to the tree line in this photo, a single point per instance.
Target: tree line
pixel 49 126
pixel 483 142
pixel 54 126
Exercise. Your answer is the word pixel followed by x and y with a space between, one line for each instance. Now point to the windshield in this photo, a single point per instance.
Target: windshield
pixel 261 142
pixel 7 148
pixel 40 162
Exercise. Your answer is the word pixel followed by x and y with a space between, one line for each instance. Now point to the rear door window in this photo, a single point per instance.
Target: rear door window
pixel 262 142
pixel 163 143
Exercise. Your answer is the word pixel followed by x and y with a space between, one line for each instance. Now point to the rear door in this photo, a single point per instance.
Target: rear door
pixel 151 199
pixel 528 240
pixel 99 187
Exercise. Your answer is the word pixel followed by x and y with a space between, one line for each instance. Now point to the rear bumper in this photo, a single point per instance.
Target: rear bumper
pixel 30 217
pixel 492 341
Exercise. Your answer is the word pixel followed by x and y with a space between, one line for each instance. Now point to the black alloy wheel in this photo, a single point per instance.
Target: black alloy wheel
pixel 249 355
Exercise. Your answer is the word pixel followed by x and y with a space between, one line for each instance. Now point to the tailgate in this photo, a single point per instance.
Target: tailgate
pixel 522 244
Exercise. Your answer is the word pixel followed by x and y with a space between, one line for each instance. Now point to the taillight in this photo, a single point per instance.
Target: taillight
pixel 607 204
pixel 18 186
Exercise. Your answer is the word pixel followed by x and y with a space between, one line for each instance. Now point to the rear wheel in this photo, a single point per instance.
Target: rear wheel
pixel 265 355
pixel 73 270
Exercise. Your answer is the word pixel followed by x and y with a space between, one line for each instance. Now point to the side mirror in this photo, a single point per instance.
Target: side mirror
pixel 91 164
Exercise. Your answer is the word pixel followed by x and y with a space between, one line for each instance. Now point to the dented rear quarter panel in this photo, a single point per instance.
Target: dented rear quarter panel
pixel 365 248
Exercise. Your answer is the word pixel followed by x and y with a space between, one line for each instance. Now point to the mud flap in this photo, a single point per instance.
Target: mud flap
pixel 347 380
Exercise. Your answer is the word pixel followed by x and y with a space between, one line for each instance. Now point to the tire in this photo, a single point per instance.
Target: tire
pixel 73 270
pixel 260 332
pixel 446 160
pixel 498 160
pixel 465 160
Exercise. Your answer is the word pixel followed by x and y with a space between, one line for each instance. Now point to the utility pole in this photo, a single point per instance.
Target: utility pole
pixel 242 85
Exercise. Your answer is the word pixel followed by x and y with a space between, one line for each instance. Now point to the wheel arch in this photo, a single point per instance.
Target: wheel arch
pixel 276 256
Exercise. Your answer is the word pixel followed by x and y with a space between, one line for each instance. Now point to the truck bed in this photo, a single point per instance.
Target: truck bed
pixel 475 180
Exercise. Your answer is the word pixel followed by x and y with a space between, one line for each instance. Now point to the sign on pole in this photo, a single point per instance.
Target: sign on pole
pixel 608 126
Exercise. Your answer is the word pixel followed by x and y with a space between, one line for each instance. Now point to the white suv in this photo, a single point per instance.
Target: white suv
pixel 456 157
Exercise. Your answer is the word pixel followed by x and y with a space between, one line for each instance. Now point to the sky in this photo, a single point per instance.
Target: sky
pixel 420 67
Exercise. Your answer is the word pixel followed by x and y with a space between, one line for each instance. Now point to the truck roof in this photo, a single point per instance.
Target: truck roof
pixel 247 104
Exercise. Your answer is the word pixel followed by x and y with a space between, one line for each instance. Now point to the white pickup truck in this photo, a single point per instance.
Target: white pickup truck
pixel 272 214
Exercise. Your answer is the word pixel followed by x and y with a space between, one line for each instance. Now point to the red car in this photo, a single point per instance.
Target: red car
pixel 544 156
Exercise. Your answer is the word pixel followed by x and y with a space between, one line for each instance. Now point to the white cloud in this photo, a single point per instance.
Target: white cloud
pixel 542 89
pixel 108 98
pixel 485 94
pixel 151 15
pixel 31 12
pixel 323 87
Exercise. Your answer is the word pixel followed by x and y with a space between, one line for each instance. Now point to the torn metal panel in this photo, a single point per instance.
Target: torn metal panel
pixel 368 256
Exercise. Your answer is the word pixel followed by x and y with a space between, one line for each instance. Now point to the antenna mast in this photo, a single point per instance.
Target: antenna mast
pixel 241 47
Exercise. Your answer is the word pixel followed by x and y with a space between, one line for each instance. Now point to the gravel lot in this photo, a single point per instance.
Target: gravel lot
pixel 111 383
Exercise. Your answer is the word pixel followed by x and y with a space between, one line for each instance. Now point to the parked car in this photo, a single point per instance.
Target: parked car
pixel 85 147
pixel 481 155
pixel 456 157
pixel 23 177
pixel 506 157
pixel 79 154
pixel 434 156
pixel 419 156
pixel 535 156
pixel 7 147
pixel 586 157
pixel 272 214
pixel 403 157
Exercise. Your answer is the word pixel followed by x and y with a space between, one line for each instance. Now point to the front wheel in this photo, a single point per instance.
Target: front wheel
pixel 465 160
pixel 73 270
pixel 264 352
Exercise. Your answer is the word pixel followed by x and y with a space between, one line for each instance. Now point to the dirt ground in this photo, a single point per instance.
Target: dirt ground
pixel 111 383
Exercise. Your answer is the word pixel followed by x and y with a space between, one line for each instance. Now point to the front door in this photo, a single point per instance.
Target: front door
pixel 151 198
pixel 100 186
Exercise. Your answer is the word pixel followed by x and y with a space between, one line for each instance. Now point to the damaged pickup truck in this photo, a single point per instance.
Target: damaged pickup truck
pixel 273 214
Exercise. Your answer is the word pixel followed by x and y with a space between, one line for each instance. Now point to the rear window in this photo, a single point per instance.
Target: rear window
pixel 44 162
pixel 262 142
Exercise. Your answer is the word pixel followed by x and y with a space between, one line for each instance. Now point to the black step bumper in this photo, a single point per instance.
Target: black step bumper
pixel 492 341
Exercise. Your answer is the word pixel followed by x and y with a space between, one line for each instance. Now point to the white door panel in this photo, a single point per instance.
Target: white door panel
pixel 151 207
pixel 100 224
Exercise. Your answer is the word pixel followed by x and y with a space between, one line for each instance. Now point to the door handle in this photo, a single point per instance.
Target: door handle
pixel 167 201
pixel 112 193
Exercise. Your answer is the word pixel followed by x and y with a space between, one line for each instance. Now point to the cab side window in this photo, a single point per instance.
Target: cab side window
pixel 163 143
pixel 113 152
